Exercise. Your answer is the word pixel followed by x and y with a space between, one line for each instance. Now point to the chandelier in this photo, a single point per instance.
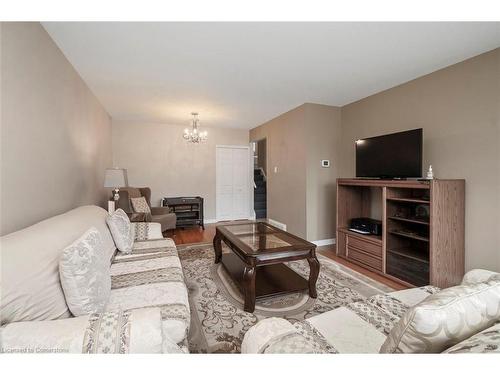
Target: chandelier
pixel 194 135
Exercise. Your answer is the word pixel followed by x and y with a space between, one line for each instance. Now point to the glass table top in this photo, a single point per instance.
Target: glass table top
pixel 259 236
pixel 261 242
pixel 250 228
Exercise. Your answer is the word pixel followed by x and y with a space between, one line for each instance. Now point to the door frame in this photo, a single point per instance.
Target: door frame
pixel 250 181
pixel 266 172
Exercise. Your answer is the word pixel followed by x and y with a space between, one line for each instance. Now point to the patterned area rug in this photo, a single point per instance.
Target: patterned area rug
pixel 218 322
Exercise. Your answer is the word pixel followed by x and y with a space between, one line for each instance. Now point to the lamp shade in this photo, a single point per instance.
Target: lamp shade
pixel 115 178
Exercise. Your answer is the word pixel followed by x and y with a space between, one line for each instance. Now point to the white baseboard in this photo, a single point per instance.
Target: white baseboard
pixel 328 241
pixel 277 224
pixel 213 221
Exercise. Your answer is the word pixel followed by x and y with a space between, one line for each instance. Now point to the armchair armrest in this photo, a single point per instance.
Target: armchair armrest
pixel 139 217
pixel 279 336
pixel 51 336
pixel 139 331
pixel 160 210
pixel 259 335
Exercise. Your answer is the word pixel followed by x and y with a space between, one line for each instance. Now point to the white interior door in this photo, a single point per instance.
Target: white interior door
pixel 233 184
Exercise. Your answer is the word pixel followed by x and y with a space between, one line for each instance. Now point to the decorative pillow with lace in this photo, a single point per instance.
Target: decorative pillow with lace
pixel 85 274
pixel 140 205
pixel 121 230
pixel 445 319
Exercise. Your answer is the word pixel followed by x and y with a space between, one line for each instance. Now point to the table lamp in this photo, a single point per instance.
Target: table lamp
pixel 116 178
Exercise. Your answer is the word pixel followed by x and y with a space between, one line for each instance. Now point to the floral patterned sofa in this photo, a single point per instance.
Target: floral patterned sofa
pixel 460 319
pixel 147 310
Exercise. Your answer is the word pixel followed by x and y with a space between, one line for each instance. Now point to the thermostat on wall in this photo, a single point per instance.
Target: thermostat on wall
pixel 325 163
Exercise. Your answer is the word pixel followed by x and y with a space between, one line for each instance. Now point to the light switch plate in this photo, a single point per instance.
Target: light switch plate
pixel 325 163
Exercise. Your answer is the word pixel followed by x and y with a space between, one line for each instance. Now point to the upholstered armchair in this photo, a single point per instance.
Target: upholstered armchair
pixel 161 215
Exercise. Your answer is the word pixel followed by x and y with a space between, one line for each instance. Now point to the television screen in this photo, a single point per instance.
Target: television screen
pixel 397 155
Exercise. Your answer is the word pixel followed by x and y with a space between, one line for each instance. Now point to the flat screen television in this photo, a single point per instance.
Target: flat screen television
pixel 397 155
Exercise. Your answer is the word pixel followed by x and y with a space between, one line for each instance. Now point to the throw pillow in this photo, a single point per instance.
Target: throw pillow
pixel 487 341
pixel 445 319
pixel 479 276
pixel 140 205
pixel 85 274
pixel 121 230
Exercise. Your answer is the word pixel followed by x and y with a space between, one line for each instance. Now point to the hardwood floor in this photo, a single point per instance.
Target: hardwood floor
pixel 198 235
pixel 184 236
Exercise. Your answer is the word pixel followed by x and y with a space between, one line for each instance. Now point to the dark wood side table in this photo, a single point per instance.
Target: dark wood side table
pixel 256 262
pixel 189 210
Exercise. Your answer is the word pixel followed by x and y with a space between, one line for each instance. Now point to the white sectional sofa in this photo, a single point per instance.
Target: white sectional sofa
pixel 147 311
pixel 460 319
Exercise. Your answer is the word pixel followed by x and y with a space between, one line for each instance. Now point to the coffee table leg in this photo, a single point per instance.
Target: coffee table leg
pixel 218 248
pixel 313 275
pixel 249 288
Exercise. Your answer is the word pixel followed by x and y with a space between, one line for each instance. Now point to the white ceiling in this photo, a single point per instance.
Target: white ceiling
pixel 243 74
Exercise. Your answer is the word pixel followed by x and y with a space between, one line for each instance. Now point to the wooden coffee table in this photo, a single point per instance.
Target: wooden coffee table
pixel 258 251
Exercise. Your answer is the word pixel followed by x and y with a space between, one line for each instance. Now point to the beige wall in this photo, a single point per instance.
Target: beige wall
pixel 301 194
pixel 55 135
pixel 323 135
pixel 56 143
pixel 156 155
pixel 459 109
pixel 286 189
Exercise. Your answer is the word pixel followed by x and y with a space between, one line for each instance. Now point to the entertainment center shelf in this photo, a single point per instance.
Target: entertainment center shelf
pixel 409 235
pixel 408 200
pixel 422 239
pixel 409 220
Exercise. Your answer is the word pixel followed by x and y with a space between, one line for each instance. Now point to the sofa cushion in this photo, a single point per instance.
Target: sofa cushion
pixel 30 288
pixel 347 331
pixel 445 319
pixel 140 205
pixel 121 229
pixel 152 276
pixel 120 332
pixel 85 276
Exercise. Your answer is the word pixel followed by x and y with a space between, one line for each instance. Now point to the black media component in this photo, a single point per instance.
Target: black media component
pixel 365 225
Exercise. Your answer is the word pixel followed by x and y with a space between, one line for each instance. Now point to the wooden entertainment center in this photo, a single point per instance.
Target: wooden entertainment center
pixel 422 239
